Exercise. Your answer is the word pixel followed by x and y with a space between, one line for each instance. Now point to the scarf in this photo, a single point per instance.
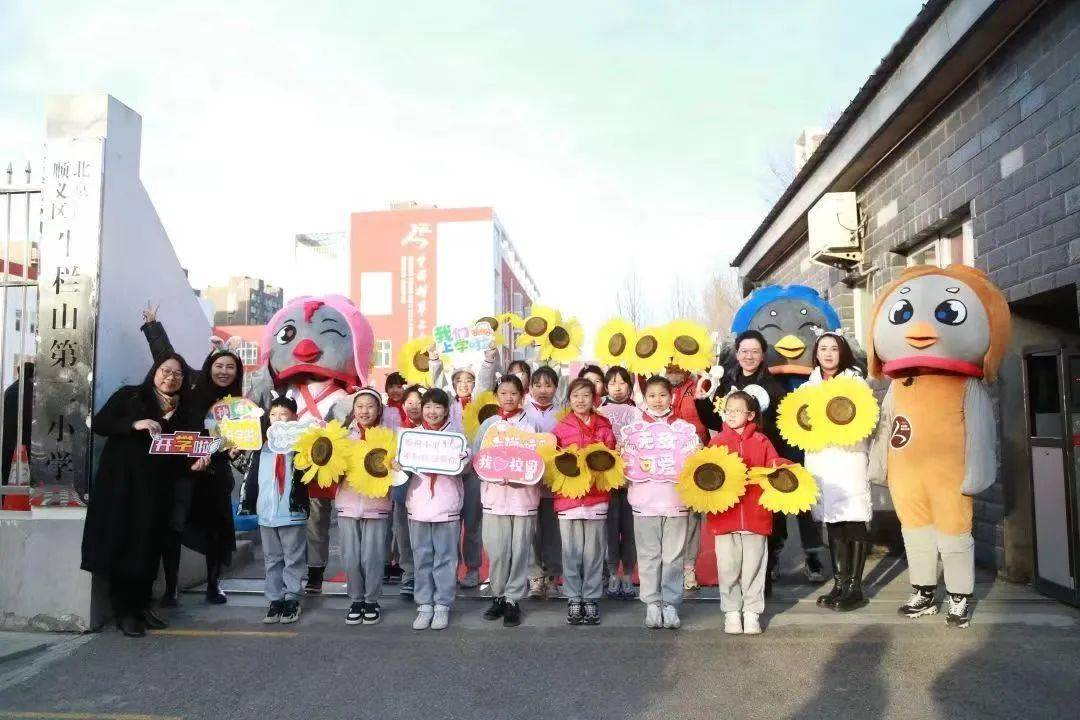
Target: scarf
pixel 506 415
pixel 167 403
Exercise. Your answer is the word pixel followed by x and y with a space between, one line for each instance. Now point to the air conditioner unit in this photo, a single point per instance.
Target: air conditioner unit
pixel 832 226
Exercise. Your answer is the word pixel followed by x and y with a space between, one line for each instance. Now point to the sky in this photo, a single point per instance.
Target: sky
pixel 609 136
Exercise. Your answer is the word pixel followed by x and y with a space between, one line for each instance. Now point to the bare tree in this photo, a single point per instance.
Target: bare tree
pixel 629 303
pixel 722 299
pixel 685 303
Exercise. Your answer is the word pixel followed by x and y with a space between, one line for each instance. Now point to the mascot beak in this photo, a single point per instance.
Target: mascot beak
pixel 921 336
pixel 790 347
pixel 306 351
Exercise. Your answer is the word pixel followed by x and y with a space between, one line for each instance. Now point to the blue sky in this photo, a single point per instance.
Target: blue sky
pixel 618 134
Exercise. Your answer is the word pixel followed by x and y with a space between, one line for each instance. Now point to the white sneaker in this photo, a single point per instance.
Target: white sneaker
pixel 690 583
pixel 733 623
pixel 423 617
pixel 653 616
pixel 750 624
pixel 441 618
pixel 671 617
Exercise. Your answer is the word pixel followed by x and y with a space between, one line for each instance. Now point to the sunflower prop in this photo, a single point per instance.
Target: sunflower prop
pixel 605 467
pixel 691 345
pixel 615 342
pixel 651 352
pixel 563 343
pixel 566 474
pixel 369 472
pixel 498 323
pixel 793 419
pixel 537 326
pixel 712 480
pixel 324 453
pixel 789 489
pixel 845 411
pixel 480 409
pixel 413 361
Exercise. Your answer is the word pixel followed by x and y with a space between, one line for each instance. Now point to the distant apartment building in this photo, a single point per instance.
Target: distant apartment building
pixel 244 301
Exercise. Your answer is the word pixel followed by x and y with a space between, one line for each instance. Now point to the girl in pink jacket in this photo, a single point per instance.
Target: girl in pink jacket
pixel 434 505
pixel 509 524
pixel 583 521
pixel 363 524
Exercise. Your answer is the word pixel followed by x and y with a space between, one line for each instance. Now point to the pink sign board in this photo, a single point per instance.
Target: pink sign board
pixel 656 451
pixel 620 416
pixel 507 463
pixel 191 444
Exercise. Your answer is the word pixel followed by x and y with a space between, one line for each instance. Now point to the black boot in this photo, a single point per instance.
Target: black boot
pixel 314 580
pixel 852 596
pixel 170 561
pixel 214 594
pixel 131 626
pixel 841 557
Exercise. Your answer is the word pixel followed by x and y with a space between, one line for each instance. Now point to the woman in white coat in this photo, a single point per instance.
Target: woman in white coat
pixel 841 473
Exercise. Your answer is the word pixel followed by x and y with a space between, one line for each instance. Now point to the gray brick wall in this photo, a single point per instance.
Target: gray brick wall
pixel 1005 150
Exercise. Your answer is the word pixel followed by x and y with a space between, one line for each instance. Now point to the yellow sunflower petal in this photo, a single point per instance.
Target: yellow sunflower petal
pixel 369 471
pixel 413 361
pixel 712 480
pixel 691 345
pixel 789 489
pixel 845 411
pixel 651 352
pixel 565 473
pixel 615 341
pixel 564 342
pixel 480 409
pixel 605 466
pixel 793 418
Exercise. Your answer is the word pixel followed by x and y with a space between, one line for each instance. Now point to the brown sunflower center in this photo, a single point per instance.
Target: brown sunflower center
pixel 566 463
pixel 322 450
pixel 646 346
pixel 783 480
pixel 803 418
pixel 487 411
pixel 840 410
pixel 616 344
pixel 421 361
pixel 559 337
pixel 709 477
pixel 536 326
pixel 687 345
pixel 375 463
pixel 493 322
pixel 600 460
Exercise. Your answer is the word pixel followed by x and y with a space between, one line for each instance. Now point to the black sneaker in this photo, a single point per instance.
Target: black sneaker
pixel 392 573
pixel 215 595
pixel 355 616
pixel 815 571
pixel 152 620
pixel 511 614
pixel 372 613
pixel 314 580
pixel 920 603
pixel 574 612
pixel 290 612
pixel 959 614
pixel 498 607
pixel 592 613
pixel 273 615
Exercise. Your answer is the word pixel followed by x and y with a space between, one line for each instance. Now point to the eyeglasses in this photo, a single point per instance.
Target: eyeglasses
pixel 171 374
pixel 734 411
pixel 750 353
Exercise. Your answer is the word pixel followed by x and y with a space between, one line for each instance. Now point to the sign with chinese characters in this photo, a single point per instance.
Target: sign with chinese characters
pixel 473 338
pixel 236 419
pixel 417 280
pixel 60 453
pixel 283 435
pixel 433 452
pixel 510 454
pixel 620 416
pixel 191 444
pixel 656 451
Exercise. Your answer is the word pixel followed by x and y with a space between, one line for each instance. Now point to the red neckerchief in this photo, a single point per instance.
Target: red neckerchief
pixel 507 415
pixel 464 400
pixel 311 403
pixel 401 410
pixel 407 422
pixel 279 472
pixel 360 429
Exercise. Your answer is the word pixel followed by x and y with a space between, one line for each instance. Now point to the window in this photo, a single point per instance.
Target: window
pixel 383 355
pixel 862 303
pixel 249 353
pixel 956 246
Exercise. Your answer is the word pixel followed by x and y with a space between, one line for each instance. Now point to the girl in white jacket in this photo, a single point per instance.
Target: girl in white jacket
pixel 844 505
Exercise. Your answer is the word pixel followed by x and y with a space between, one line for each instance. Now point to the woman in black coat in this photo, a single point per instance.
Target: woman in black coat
pixel 130 496
pixel 201 515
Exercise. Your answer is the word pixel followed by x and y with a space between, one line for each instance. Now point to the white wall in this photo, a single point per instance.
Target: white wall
pixel 465 264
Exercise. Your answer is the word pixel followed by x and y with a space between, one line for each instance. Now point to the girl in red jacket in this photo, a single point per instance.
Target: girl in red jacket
pixel 684 407
pixel 742 531
pixel 583 521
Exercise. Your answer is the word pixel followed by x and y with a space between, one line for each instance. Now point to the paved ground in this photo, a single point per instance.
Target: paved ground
pixel 1018 659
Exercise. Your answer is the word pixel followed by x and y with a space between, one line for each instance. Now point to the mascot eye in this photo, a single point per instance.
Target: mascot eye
pixel 285 335
pixel 950 312
pixel 901 312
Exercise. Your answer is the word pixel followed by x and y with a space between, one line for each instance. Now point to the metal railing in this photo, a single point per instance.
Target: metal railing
pixel 20 225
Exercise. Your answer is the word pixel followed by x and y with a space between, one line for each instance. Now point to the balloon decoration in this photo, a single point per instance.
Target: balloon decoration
pixel 712 480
